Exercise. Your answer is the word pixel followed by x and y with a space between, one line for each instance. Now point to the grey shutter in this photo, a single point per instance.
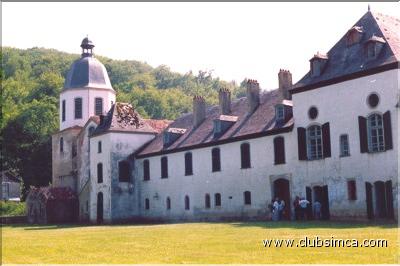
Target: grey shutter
pixel 387 128
pixel 302 145
pixel 362 125
pixel 326 140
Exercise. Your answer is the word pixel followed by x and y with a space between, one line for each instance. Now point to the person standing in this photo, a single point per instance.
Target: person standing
pixel 296 207
pixel 317 210
pixel 275 210
pixel 281 209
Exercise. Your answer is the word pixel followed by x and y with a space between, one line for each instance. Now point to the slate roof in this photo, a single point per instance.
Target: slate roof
pixel 346 60
pixel 87 72
pixel 122 117
pixel 260 122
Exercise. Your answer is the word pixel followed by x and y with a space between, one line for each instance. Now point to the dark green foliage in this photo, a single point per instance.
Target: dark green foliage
pixel 31 83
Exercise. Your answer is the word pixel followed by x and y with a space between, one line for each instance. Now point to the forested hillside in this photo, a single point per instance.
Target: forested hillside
pixel 32 80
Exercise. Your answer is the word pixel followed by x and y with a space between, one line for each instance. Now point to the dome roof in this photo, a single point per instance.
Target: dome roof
pixel 87 72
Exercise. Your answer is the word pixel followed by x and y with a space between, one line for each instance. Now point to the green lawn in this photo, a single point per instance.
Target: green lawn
pixel 193 243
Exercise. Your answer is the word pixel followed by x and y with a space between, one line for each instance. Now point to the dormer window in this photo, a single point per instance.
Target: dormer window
pixel 171 135
pixel 280 113
pixel 317 64
pixel 354 35
pixel 222 124
pixel 373 46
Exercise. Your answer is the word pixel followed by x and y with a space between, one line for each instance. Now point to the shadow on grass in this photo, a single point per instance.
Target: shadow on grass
pixel 261 224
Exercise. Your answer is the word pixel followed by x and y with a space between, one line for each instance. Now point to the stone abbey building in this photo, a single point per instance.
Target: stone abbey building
pixel 331 137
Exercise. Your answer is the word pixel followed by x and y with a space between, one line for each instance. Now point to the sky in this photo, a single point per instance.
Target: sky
pixel 234 40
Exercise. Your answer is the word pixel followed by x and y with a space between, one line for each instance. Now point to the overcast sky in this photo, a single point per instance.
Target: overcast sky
pixel 235 40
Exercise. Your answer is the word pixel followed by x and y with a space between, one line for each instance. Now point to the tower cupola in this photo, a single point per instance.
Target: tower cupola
pixel 87 47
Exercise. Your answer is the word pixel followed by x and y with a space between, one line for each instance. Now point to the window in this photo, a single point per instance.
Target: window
pixel 371 51
pixel 188 164
pixel 147 204
pixel 373 100
pixel 99 147
pixel 74 150
pixel 376 141
pixel 123 171
pixel 217 127
pixel 207 202
pixel 61 144
pixel 168 203
pixel 99 173
pixel 313 112
pixel 164 167
pixel 63 111
pixel 78 108
pixel 217 198
pixel 187 203
pixel 146 170
pixel 344 146
pixel 216 160
pixel 245 155
pixel 280 113
pixel 98 106
pixel 247 198
pixel 279 150
pixel 351 189
pixel 314 143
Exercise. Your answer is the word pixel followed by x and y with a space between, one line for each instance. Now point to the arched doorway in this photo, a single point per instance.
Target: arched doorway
pixel 321 194
pixel 100 207
pixel 282 191
pixel 368 198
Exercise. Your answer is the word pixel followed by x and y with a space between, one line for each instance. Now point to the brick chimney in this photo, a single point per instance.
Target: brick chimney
pixel 253 94
pixel 225 101
pixel 285 83
pixel 199 110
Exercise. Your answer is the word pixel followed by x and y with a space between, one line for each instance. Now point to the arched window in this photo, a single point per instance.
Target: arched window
pixel 187 203
pixel 99 173
pixel 147 204
pixel 61 144
pixel 164 167
pixel 123 171
pixel 314 142
pixel 217 197
pixel 245 155
pixel 146 170
pixel 168 202
pixel 216 159
pixel 98 106
pixel 376 140
pixel 247 197
pixel 279 150
pixel 207 201
pixel 99 146
pixel 78 108
pixel 188 164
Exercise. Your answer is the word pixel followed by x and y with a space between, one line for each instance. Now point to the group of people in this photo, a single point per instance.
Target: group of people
pixel 302 209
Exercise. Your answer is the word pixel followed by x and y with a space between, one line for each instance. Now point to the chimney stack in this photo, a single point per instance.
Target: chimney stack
pixel 253 94
pixel 225 101
pixel 285 83
pixel 199 110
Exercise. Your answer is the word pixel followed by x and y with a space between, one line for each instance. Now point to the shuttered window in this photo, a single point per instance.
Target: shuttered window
pixel 168 203
pixel 245 155
pixel 146 170
pixel 351 189
pixel 207 202
pixel 344 145
pixel 326 140
pixel 123 171
pixel 147 204
pixel 216 160
pixel 78 108
pixel 99 173
pixel 98 106
pixel 188 164
pixel 164 167
pixel 314 143
pixel 279 150
pixel 302 143
pixel 63 111
pixel 187 203
pixel 375 133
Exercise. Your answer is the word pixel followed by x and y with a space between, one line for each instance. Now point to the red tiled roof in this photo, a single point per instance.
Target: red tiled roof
pixel 261 121
pixel 158 125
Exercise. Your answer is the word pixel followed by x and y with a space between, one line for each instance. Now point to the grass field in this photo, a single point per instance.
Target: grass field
pixel 193 243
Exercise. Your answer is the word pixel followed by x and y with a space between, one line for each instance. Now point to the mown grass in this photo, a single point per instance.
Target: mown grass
pixel 10 208
pixel 239 242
